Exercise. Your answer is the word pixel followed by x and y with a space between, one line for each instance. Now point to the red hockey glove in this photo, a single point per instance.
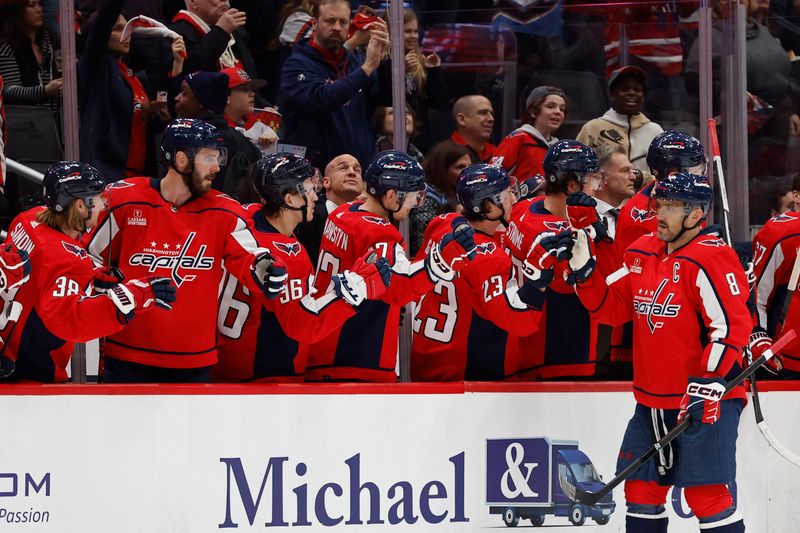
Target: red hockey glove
pixel 760 342
pixel 367 280
pixel 581 210
pixel 582 262
pixel 15 267
pixel 106 278
pixel 140 294
pixel 447 257
pixel 702 401
pixel 270 274
pixel 546 250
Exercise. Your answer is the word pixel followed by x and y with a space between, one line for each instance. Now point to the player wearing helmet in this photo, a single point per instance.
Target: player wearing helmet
pixel 564 344
pixel 467 328
pixel 365 348
pixel 268 340
pixel 56 308
pixel 180 228
pixel 689 293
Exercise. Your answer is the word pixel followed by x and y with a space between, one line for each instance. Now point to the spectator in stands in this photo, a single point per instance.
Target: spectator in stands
pixel 29 57
pixel 118 109
pixel 624 124
pixel 342 183
pixel 424 82
pixel 240 107
pixel 474 118
pixel 444 163
pixel 213 35
pixel 383 126
pixel 295 23
pixel 204 96
pixel 612 186
pixel 522 151
pixel 328 93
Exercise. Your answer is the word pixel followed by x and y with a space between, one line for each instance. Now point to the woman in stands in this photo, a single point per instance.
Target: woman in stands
pixel 522 151
pixel 383 126
pixel 29 57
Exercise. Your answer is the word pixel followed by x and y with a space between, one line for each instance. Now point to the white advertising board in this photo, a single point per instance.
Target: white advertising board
pixel 340 462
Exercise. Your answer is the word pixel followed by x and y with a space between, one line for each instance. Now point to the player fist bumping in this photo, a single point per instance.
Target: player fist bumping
pixel 760 342
pixel 702 401
pixel 366 280
pixel 140 294
pixel 546 250
pixel 582 214
pixel 15 267
pixel 447 257
pixel 270 274
pixel 582 261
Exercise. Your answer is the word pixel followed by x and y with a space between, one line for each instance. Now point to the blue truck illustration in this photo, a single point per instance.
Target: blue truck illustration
pixel 533 477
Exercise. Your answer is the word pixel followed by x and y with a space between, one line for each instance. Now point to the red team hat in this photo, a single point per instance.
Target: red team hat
pixel 237 77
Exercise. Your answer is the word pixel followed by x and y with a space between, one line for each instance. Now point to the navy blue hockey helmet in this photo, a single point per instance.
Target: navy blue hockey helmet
pixel 480 182
pixel 691 189
pixel 190 135
pixel 276 173
pixel 69 180
pixel 673 151
pixel 569 160
pixel 396 170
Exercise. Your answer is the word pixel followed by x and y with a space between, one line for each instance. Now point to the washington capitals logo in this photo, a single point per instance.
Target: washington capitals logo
pixel 647 303
pixel 641 215
pixel 175 263
pixel 396 165
pixel 486 248
pixel 783 217
pixel 377 220
pixel 289 248
pixel 76 250
pixel 557 226
pixel 716 243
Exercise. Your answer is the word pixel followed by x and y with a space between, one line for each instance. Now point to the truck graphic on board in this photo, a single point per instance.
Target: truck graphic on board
pixel 532 477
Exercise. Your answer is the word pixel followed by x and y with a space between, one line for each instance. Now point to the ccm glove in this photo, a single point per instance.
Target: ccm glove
pixel 581 210
pixel 140 294
pixel 760 342
pixel 15 267
pixel 367 280
pixel 546 250
pixel 583 262
pixel 446 257
pixel 270 274
pixel 702 401
pixel 106 278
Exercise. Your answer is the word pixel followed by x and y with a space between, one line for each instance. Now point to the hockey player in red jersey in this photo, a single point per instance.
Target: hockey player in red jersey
pixel 671 151
pixel 689 295
pixel 267 340
pixel 564 344
pixel 180 228
pixel 365 347
pixel 467 328
pixel 57 308
pixel 774 257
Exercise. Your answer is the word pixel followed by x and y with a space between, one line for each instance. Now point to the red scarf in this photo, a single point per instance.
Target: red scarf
pixel 331 57
pixel 137 146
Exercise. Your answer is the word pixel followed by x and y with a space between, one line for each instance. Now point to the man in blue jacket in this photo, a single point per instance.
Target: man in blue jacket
pixel 328 92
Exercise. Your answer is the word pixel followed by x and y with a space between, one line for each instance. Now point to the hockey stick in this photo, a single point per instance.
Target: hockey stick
pixel 717 158
pixel 760 421
pixel 591 498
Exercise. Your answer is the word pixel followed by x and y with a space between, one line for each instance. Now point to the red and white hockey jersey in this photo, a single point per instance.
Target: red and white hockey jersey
pixel 565 342
pixel 689 312
pixel 365 347
pixel 268 340
pixel 145 235
pixel 774 254
pixel 467 328
pixel 635 219
pixel 55 308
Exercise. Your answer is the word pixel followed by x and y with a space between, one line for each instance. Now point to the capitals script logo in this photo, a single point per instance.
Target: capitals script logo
pixel 641 215
pixel 377 220
pixel 292 248
pixel 652 308
pixel 175 263
pixel 76 250
pixel 556 226
pixel 716 243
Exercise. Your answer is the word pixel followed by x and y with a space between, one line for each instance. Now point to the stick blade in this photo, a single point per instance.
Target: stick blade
pixel 587 498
